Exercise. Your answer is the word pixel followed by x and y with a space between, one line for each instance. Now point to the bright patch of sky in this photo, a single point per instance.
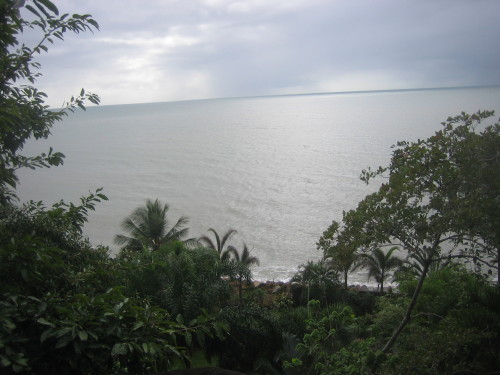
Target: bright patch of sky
pixel 167 50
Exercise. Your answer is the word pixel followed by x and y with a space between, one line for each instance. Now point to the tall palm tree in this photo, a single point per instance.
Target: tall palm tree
pixel 219 243
pixel 380 264
pixel 148 227
pixel 243 264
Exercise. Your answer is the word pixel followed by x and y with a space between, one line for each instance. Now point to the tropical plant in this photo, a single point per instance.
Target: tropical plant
pixel 329 346
pixel 340 249
pixel 454 329
pixel 23 112
pixel 441 200
pixel 193 281
pixel 415 262
pixel 379 264
pixel 180 279
pixel 62 306
pixel 317 275
pixel 148 228
pixel 219 243
pixel 254 341
pixel 243 262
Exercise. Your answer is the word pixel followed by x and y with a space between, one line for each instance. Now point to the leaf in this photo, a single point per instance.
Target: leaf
pixel 33 10
pixel 200 338
pixel 42 307
pixel 63 341
pixel 119 349
pixel 93 23
pixel 137 325
pixel 63 331
pixel 49 5
pixel 83 335
pixel 189 338
pixel 45 335
pixel 44 322
pixel 4 361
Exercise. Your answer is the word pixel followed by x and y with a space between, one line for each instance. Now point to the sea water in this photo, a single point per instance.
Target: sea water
pixel 277 169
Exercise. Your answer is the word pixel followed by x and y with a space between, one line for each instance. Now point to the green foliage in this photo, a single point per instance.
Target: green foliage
pixel 180 279
pixel 361 303
pixel 442 193
pixel 379 264
pixel 319 280
pixel 32 240
pixel 23 113
pixel 61 309
pixel 98 334
pixel 240 264
pixel 439 202
pixel 330 345
pixel 254 340
pixel 219 242
pixel 340 248
pixel 454 327
pixel 148 227
pixel 293 320
pixel 389 312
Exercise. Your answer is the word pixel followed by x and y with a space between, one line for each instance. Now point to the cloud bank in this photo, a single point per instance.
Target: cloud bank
pixel 193 49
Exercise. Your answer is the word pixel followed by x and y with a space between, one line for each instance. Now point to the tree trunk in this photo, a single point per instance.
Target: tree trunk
pixel 345 279
pixel 382 277
pixel 240 291
pixel 409 310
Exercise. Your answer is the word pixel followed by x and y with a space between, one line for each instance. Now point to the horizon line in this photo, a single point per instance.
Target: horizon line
pixel 378 91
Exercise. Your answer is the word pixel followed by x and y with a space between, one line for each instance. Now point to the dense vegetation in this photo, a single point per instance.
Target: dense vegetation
pixel 69 307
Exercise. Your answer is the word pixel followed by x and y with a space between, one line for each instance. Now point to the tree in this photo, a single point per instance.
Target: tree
pixel 440 199
pixel 340 248
pixel 379 264
pixel 23 112
pixel 316 274
pixel 219 243
pixel 148 227
pixel 414 265
pixel 59 309
pixel 243 264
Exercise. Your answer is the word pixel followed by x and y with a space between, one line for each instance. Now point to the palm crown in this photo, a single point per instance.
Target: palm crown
pixel 219 243
pixel 379 264
pixel 148 227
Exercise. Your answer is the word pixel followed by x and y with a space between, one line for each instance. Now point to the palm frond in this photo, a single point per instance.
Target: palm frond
pixel 247 259
pixel 178 231
pixel 121 239
pixel 227 236
pixel 147 227
pixel 205 240
pixel 231 250
pixel 217 239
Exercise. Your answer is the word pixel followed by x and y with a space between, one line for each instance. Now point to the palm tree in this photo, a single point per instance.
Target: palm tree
pixel 319 274
pixel 243 264
pixel 379 264
pixel 219 244
pixel 148 227
pixel 415 263
pixel 344 259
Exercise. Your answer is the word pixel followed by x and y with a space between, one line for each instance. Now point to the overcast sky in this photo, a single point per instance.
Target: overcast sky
pixel 167 50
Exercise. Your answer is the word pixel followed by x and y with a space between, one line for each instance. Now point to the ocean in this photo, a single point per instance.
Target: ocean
pixel 277 169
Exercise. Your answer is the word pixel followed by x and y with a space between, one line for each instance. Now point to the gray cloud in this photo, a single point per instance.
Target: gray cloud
pixel 176 50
